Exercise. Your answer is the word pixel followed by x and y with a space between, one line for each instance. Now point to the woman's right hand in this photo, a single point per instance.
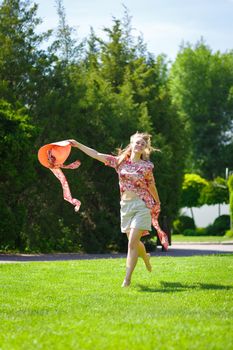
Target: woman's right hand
pixel 73 143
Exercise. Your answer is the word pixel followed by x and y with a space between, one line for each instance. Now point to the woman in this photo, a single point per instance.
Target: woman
pixel 140 204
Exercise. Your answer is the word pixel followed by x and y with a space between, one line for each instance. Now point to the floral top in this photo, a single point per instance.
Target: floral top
pixel 136 177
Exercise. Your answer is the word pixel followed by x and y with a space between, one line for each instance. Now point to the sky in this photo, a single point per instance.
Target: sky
pixel 164 24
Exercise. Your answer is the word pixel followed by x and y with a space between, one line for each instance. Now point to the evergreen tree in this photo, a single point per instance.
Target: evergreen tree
pixel 65 45
pixel 17 174
pixel 23 65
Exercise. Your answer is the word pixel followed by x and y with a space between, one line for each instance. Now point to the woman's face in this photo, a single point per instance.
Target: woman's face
pixel 138 145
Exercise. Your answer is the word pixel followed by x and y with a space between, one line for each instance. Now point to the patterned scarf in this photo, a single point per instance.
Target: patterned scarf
pixel 56 170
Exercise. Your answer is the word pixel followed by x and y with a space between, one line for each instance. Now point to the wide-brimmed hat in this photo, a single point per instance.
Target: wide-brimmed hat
pixel 54 154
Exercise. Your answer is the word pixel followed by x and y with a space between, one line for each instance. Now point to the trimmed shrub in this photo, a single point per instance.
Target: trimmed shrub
pixel 229 233
pixel 230 186
pixel 195 232
pixel 219 227
pixel 222 222
pixel 183 223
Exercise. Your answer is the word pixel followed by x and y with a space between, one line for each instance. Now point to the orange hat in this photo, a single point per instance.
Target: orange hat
pixel 54 154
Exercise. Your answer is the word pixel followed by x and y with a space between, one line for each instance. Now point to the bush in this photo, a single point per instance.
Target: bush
pixel 230 186
pixel 195 232
pixel 150 244
pixel 183 223
pixel 222 222
pixel 219 227
pixel 229 233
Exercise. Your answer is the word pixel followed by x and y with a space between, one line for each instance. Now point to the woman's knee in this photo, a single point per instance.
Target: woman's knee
pixel 134 238
pixel 132 244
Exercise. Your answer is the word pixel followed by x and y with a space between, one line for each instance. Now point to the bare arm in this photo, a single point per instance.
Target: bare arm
pixel 151 185
pixel 89 151
pixel 153 191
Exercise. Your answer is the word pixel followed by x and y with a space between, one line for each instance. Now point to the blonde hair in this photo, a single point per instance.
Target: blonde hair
pixel 126 152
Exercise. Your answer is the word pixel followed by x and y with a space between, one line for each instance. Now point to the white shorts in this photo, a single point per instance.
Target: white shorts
pixel 135 214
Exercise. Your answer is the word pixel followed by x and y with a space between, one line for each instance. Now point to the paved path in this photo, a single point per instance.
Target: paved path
pixel 176 250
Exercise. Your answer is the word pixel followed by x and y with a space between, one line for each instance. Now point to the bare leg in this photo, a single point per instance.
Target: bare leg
pixel 132 256
pixel 143 254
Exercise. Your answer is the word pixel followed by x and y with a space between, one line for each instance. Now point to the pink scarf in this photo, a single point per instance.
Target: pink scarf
pixel 161 234
pixel 61 177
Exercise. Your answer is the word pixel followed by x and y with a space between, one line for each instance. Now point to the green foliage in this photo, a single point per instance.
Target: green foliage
pixel 201 87
pixel 24 67
pixel 230 186
pixel 17 173
pixel 229 233
pixel 200 238
pixel 99 97
pixel 219 227
pixel 199 231
pixel 222 223
pixel 215 192
pixel 192 187
pixel 65 45
pixel 183 223
pixel 186 226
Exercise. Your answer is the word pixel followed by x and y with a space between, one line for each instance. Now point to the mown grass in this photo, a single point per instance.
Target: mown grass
pixel 185 303
pixel 196 239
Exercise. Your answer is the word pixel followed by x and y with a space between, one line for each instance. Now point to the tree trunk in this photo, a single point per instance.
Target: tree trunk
pixel 191 209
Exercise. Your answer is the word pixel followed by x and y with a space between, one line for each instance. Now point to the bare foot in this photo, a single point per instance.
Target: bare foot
pixel 147 262
pixel 125 283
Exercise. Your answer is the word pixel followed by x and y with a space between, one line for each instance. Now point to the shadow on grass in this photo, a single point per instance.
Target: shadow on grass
pixel 171 287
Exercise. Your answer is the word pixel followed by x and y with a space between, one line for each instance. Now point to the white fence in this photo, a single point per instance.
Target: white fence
pixel 206 214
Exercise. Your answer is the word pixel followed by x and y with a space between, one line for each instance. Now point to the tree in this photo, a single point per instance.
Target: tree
pixel 17 173
pixel 201 83
pixel 23 65
pixel 191 191
pixel 230 186
pixel 25 72
pixel 215 192
pixel 65 46
pixel 114 55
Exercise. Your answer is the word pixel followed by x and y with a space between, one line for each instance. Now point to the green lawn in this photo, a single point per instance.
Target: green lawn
pixel 185 303
pixel 196 239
